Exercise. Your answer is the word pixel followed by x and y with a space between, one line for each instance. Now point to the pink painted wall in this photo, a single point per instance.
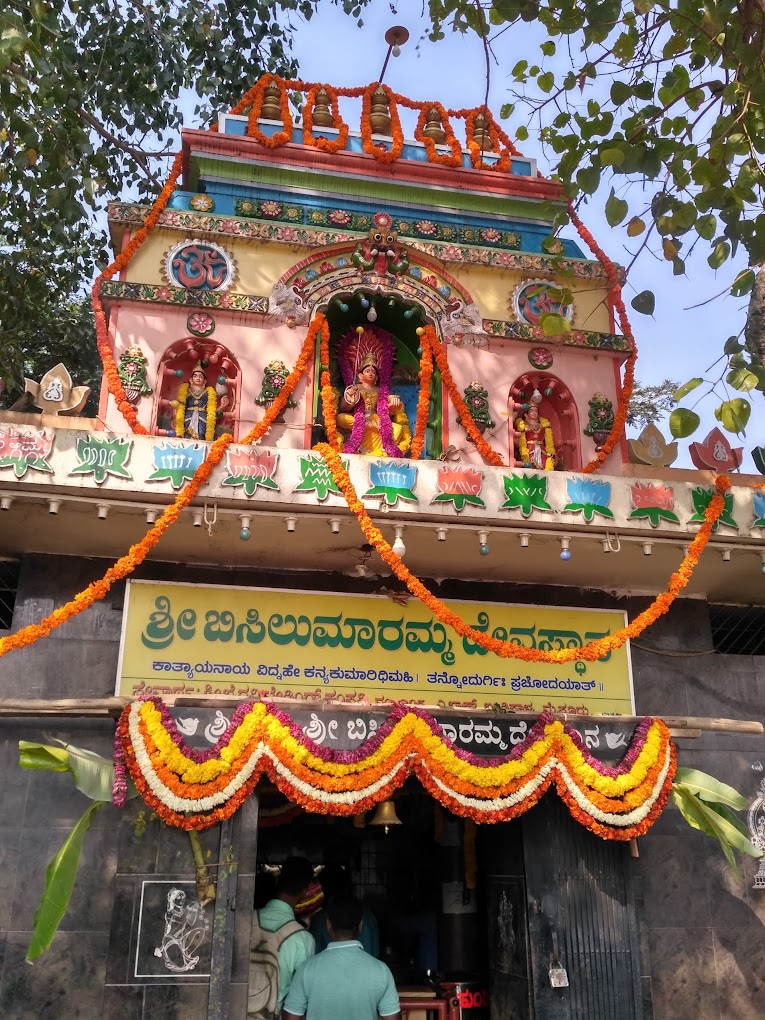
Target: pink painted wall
pixel 252 343
pixel 498 367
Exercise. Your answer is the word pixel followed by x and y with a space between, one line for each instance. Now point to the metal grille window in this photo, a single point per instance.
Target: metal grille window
pixel 738 630
pixel 9 582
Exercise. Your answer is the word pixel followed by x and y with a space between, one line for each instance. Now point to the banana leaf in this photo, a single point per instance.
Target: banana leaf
pixel 714 821
pixel 710 789
pixel 93 774
pixel 59 882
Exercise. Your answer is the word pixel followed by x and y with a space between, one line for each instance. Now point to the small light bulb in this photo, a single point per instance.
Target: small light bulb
pixel 244 534
pixel 565 554
pixel 396 51
pixel 398 546
pixel 484 550
pixel 372 314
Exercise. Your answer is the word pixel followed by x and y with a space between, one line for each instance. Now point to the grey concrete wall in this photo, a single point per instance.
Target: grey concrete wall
pixel 702 933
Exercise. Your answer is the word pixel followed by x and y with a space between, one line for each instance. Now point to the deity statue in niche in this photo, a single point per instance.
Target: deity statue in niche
pixel 199 405
pixel 372 420
pixel 536 443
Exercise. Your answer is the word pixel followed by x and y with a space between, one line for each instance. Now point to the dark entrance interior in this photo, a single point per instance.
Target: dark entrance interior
pixel 495 912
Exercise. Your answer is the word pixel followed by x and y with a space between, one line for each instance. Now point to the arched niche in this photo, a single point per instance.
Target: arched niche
pixel 175 368
pixel 558 406
pixel 347 310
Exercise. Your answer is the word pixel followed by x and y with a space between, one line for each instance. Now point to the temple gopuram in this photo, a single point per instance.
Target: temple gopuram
pixel 356 563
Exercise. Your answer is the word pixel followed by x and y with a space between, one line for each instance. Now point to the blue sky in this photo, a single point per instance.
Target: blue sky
pixel 679 341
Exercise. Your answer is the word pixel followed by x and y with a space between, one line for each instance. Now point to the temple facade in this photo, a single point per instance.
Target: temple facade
pixel 414 369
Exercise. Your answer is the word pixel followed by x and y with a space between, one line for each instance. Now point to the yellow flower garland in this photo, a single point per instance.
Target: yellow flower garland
pixel 180 412
pixel 523 443
pixel 189 793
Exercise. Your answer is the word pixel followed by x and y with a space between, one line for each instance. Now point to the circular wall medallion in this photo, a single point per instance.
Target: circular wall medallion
pixel 540 357
pixel 200 324
pixel 199 265
pixel 201 203
pixel 535 298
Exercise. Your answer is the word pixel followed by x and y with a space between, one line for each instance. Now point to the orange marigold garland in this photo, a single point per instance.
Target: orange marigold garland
pixel 428 340
pixel 279 138
pixel 370 147
pixel 615 292
pixel 328 396
pixel 489 455
pixel 507 649
pixel 325 144
pixel 138 552
pixel 113 381
pixel 195 789
pixel 452 158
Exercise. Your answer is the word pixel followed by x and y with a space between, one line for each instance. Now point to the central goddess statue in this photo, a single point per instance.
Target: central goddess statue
pixel 372 420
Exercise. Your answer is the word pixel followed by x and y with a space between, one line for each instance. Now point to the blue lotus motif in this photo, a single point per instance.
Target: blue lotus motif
pixel 589 497
pixel 587 490
pixel 176 462
pixel 392 481
pixel 392 476
pixel 758 499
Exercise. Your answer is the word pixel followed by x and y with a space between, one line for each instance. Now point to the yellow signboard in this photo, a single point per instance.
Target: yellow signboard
pixel 207 641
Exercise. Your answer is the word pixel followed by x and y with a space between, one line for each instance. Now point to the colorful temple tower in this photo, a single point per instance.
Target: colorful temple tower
pixel 360 454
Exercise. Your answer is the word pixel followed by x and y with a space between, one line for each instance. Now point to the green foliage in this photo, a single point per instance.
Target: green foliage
pixel 649 403
pixel 43 331
pixel 667 102
pixel 93 775
pixel 59 883
pixel 683 422
pixel 708 805
pixel 89 108
pixel 644 302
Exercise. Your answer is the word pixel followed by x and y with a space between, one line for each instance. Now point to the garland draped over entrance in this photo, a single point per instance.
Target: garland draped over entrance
pixel 194 790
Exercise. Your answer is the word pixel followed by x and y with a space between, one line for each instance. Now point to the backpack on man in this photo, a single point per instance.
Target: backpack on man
pixel 263 993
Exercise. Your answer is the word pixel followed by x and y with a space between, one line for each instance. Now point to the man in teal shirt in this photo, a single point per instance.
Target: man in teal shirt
pixel 335 881
pixel 344 982
pixel 296 875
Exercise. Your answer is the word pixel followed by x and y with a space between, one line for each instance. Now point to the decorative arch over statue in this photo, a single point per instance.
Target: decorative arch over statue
pixel 387 341
pixel 380 267
pixel 197 391
pixel 536 398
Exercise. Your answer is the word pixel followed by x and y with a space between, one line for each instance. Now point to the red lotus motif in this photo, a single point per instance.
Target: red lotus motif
pixel 652 494
pixel 715 453
pixel 252 463
pixel 465 481
pixel 24 445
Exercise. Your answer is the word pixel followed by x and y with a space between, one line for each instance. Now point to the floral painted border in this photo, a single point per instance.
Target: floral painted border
pixel 430 229
pixel 576 338
pixel 223 226
pixel 117 290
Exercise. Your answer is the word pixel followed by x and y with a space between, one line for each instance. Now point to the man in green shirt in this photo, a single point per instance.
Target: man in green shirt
pixel 296 875
pixel 344 981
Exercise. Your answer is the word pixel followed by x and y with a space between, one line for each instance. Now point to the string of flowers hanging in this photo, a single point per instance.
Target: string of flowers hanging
pixel 194 790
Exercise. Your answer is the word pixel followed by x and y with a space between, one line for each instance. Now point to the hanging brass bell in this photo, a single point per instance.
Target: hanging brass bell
pixel 385 816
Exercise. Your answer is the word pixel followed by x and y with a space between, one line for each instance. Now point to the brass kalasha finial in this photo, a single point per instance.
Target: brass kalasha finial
pixel 322 115
pixel 271 108
pixel 481 132
pixel 434 127
pixel 379 112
